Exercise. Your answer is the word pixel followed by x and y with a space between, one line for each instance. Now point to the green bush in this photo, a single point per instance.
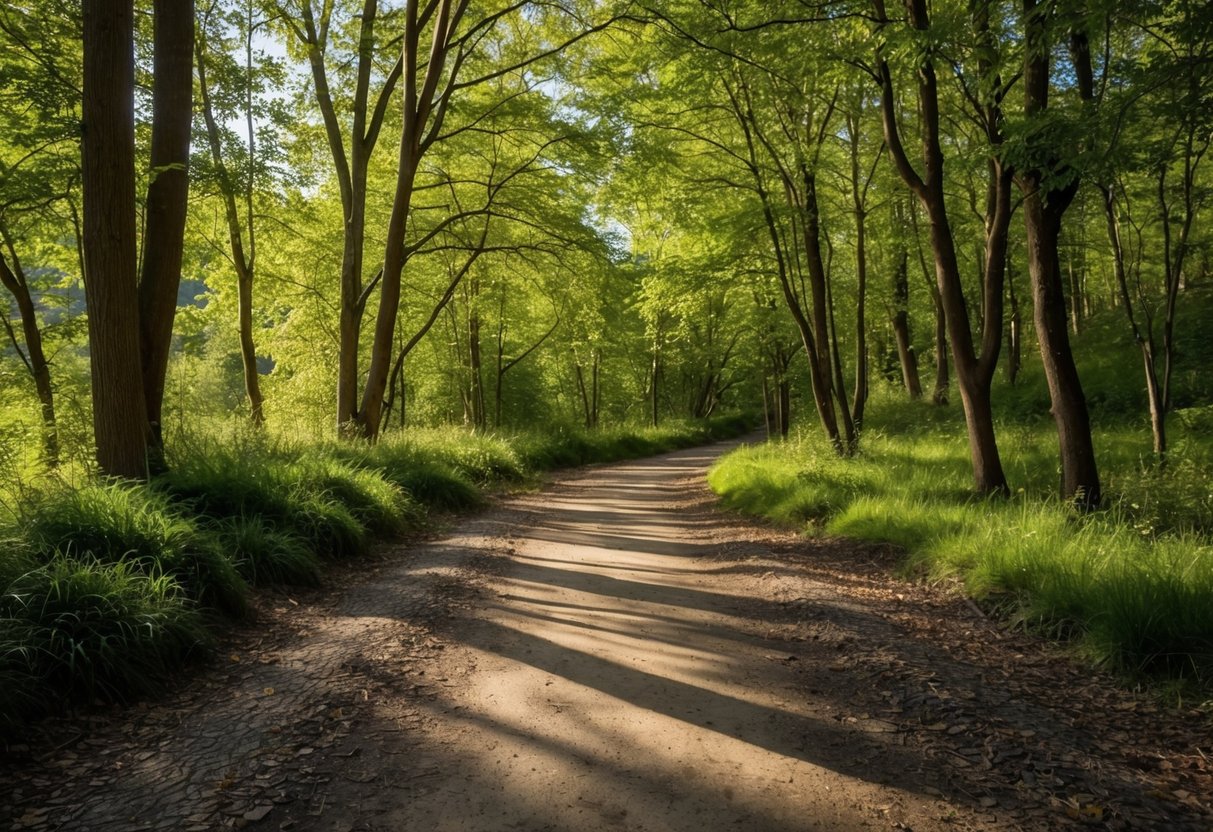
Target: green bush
pixel 1132 584
pixel 264 554
pixel 76 629
pixel 425 480
pixel 128 523
pixel 221 485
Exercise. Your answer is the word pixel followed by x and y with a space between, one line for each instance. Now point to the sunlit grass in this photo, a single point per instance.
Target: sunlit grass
pixel 107 587
pixel 1132 584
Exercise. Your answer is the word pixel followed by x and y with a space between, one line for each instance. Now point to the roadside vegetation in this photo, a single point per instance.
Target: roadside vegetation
pixel 1129 585
pixel 106 588
pixel 319 235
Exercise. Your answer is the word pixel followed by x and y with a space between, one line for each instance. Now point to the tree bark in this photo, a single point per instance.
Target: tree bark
pixel 167 203
pixel 243 259
pixel 1014 329
pixel 34 356
pixel 1142 336
pixel 974 369
pixel 120 424
pixel 859 191
pixel 815 341
pixel 1080 476
pixel 1043 211
pixel 419 107
pixel 901 328
pixel 351 170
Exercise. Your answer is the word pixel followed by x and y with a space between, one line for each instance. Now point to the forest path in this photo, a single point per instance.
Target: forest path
pixel 613 652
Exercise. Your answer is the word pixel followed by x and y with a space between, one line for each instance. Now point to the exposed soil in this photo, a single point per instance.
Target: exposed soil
pixel 614 652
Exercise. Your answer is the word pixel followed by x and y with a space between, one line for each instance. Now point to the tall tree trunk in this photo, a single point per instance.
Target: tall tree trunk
pixel 859 192
pixel 1074 276
pixel 849 426
pixel 901 327
pixel 939 393
pixel 860 400
pixel 248 349
pixel 654 376
pixel 581 390
pixel 815 340
pixel 1142 336
pixel 420 103
pixel 597 356
pixel 475 370
pixel 167 203
pixel 120 425
pixel 974 366
pixel 1043 211
pixel 243 259
pixel 351 170
pixel 33 355
pixel 1080 477
pixel 1014 329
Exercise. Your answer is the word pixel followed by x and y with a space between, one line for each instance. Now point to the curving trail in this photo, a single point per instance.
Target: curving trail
pixel 609 653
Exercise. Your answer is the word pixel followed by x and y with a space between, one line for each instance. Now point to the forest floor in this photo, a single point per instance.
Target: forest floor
pixel 614 652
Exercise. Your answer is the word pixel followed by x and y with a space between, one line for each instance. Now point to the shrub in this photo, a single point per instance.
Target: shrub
pixel 128 523
pixel 267 555
pixel 222 485
pixel 76 629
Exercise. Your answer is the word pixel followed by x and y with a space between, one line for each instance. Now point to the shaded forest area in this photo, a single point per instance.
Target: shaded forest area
pixel 284 275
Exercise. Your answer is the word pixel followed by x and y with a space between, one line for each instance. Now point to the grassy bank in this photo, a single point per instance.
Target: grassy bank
pixel 106 588
pixel 1131 585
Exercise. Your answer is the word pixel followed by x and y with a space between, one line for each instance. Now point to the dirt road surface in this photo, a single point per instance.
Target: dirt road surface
pixel 614 653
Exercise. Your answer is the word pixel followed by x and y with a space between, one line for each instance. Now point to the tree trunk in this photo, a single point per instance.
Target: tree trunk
pixel 849 426
pixel 33 355
pixel 167 203
pixel 901 328
pixel 1043 211
pixel 974 368
pixel 1080 477
pixel 654 375
pixel 785 407
pixel 243 259
pixel 248 350
pixel 859 192
pixel 1143 339
pixel 861 328
pixel 581 390
pixel 1076 295
pixel 1014 329
pixel 820 304
pixel 476 379
pixel 419 106
pixel 351 174
pixel 120 424
pixel 594 389
pixel 939 395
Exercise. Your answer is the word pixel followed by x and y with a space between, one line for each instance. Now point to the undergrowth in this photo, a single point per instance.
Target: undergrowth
pixel 1131 585
pixel 107 587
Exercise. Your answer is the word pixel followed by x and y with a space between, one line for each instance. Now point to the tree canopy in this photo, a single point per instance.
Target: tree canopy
pixel 356 217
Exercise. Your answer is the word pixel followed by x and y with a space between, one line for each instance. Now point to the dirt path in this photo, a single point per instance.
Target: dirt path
pixel 614 653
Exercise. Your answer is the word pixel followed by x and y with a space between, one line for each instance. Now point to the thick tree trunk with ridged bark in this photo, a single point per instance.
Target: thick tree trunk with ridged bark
pixel 120 425
pixel 167 203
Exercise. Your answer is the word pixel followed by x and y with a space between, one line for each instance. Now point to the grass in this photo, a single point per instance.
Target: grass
pixel 1131 585
pixel 76 629
pixel 107 587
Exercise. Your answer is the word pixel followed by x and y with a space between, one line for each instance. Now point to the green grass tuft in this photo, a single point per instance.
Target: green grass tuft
pixel 1131 585
pixel 264 554
pixel 127 523
pixel 223 484
pixel 78 629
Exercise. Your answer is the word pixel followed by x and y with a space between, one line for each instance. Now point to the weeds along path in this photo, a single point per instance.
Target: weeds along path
pixel 614 653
